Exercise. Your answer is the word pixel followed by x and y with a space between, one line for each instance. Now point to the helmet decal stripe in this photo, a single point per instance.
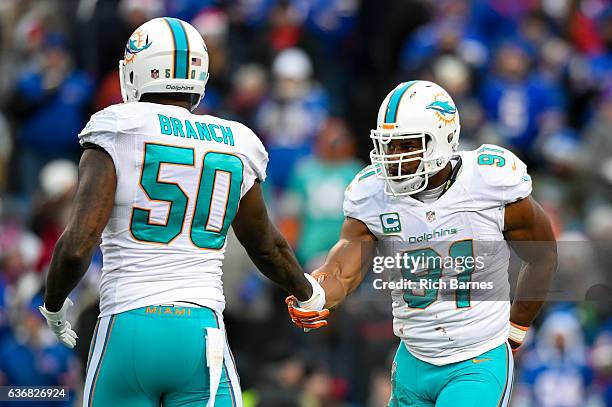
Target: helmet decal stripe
pixel 174 43
pixel 188 56
pixel 394 101
pixel 181 48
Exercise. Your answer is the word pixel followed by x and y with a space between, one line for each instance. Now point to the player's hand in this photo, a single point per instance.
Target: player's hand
pixel 309 314
pixel 514 345
pixel 303 318
pixel 58 324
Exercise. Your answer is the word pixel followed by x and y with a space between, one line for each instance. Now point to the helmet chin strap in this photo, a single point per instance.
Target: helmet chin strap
pixel 413 184
pixel 408 185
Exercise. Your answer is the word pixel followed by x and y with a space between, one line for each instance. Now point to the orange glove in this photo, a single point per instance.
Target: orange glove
pixel 306 319
pixel 309 314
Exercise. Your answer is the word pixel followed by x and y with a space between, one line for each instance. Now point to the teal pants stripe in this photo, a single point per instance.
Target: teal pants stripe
pixel 228 361
pixel 99 353
pixel 93 342
pixel 155 356
pixel 484 381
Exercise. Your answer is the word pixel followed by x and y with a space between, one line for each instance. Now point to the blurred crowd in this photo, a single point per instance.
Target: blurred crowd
pixel 308 77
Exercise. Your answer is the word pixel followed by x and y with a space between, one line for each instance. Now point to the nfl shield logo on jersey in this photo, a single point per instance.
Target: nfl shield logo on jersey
pixel 430 216
pixel 390 222
pixel 154 73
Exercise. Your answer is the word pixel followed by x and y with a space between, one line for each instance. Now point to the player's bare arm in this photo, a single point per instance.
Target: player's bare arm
pixel 267 247
pixel 525 222
pixel 342 272
pixel 347 262
pixel 91 209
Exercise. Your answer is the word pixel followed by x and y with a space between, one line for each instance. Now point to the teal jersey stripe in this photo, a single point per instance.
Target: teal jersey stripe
pixel 391 113
pixel 181 48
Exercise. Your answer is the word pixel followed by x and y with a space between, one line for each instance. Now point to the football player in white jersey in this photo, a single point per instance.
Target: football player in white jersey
pixel 162 187
pixel 424 200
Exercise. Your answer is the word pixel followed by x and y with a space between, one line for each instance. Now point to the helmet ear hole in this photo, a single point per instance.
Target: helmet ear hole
pixel 132 77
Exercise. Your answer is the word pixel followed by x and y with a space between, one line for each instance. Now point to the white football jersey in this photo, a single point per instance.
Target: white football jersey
pixel 438 318
pixel 180 178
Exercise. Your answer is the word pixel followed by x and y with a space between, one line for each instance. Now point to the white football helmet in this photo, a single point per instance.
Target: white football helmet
pixel 164 55
pixel 418 110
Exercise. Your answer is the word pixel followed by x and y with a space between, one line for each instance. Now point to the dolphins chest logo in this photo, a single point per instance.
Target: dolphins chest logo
pixel 138 42
pixel 444 111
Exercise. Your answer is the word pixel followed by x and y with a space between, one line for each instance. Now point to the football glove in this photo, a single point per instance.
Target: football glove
pixel 58 324
pixel 516 336
pixel 309 314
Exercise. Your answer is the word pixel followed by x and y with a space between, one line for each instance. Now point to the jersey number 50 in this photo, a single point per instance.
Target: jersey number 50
pixel 216 202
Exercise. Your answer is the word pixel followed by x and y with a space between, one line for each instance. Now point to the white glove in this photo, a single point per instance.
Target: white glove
pixel 58 324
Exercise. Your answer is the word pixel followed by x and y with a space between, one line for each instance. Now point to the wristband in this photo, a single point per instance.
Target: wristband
pixel 317 300
pixel 517 332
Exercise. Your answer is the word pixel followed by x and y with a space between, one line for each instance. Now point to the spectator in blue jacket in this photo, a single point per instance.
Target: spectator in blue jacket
pixel 51 101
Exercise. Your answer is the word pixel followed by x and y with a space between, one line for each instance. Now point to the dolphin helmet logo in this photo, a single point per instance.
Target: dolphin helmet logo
pixel 138 42
pixel 445 112
pixel 443 107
